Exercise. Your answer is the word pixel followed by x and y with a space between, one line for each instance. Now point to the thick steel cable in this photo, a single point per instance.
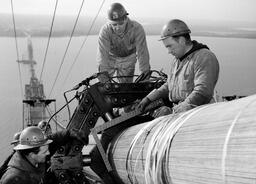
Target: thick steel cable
pixel 84 41
pixel 64 56
pixel 17 50
pixel 227 139
pixel 48 42
pixel 130 168
pixel 156 169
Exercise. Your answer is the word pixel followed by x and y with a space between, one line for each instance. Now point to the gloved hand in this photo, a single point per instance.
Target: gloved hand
pixel 182 107
pixel 79 135
pixel 143 103
pixel 161 111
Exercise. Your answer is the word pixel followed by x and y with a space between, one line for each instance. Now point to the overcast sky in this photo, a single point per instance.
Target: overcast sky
pixel 234 10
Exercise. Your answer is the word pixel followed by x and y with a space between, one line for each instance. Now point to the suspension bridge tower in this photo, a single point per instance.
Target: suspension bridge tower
pixel 35 104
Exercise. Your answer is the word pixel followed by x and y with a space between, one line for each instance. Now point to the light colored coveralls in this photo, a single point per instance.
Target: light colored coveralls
pixel 191 82
pixel 119 53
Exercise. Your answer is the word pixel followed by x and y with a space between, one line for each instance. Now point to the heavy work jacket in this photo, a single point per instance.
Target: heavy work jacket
pixel 192 79
pixel 21 171
pixel 113 47
pixel 17 168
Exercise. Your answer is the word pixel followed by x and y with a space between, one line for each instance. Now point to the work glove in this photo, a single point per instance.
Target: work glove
pixel 162 111
pixel 143 103
pixel 182 107
pixel 79 135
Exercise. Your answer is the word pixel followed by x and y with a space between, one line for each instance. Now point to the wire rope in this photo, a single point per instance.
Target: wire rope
pixel 84 41
pixel 64 56
pixel 48 42
pixel 17 50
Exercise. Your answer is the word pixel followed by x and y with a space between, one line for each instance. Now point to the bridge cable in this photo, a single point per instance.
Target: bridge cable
pixel 49 37
pixel 62 61
pixel 17 50
pixel 84 41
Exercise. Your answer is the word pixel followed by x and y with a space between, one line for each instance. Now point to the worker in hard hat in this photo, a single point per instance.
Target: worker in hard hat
pixel 14 142
pixel 46 127
pixel 16 138
pixel 27 163
pixel 22 150
pixel 121 43
pixel 193 74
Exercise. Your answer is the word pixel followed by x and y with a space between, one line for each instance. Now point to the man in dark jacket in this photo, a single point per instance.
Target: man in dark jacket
pixel 29 162
pixel 27 165
pixel 15 142
pixel 4 166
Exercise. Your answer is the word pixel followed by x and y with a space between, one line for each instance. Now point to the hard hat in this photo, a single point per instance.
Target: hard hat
pixel 42 125
pixel 116 12
pixel 174 27
pixel 16 138
pixel 31 137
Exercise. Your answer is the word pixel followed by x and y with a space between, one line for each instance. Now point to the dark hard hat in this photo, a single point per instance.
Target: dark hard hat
pixel 31 137
pixel 116 12
pixel 174 27
pixel 16 138
pixel 42 125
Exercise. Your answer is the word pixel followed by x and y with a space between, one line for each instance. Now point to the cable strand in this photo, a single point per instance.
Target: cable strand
pixel 64 56
pixel 17 50
pixel 83 44
pixel 48 42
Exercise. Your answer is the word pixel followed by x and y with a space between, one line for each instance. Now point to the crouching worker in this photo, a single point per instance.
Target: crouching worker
pixel 27 165
pixel 193 75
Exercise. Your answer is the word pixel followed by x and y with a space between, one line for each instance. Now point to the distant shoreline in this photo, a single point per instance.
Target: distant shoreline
pixel 29 25
pixel 252 36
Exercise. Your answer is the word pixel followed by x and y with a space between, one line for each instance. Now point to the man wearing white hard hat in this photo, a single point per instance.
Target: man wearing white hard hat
pixel 27 165
pixel 122 42
pixel 193 73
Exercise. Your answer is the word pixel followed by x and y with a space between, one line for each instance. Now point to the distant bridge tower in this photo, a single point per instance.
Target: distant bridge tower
pixel 35 102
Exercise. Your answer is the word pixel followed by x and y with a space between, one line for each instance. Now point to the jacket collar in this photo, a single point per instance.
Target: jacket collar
pixel 20 162
pixel 196 46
